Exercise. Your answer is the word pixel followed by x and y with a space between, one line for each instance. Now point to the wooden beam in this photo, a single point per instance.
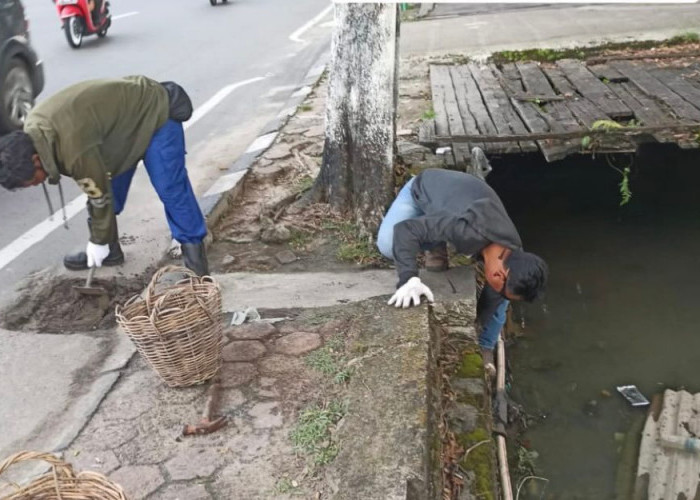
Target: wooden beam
pixel 616 132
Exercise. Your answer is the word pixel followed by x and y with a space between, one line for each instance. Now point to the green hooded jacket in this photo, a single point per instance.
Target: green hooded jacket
pixel 94 131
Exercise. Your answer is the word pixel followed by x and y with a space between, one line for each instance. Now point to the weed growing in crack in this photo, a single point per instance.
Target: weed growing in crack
pixel 299 239
pixel 428 114
pixel 312 433
pixel 329 360
pixel 305 107
pixel 353 247
pixel 286 486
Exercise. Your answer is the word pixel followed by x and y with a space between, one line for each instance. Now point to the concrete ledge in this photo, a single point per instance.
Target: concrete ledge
pixel 385 440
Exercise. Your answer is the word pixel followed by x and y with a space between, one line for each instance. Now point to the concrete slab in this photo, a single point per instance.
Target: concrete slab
pixel 480 35
pixel 302 290
pixel 52 385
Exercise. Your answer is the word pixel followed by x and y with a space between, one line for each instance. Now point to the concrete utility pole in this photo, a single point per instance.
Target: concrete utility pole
pixel 358 156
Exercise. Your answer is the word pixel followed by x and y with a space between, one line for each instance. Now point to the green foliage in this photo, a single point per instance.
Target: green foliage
pixel 625 193
pixel 353 247
pixel 312 433
pixel 299 238
pixel 429 114
pixel 480 461
pixel 472 366
pixel 330 360
pixel 686 37
pixel 586 142
pixel 605 125
pixel 305 107
pixel 286 486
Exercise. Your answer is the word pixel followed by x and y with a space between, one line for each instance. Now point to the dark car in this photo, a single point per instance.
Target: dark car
pixel 21 70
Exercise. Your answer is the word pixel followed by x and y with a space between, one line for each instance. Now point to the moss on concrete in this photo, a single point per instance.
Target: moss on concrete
pixel 472 366
pixel 480 461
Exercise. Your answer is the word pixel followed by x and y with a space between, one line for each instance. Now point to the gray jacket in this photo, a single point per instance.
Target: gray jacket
pixel 460 209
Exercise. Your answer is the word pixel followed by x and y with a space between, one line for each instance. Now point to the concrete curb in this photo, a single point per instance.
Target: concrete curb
pixel 219 197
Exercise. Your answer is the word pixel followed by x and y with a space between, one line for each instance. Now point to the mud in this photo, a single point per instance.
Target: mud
pixel 54 306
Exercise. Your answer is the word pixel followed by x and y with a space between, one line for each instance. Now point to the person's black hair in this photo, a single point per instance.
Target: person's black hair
pixel 16 165
pixel 527 275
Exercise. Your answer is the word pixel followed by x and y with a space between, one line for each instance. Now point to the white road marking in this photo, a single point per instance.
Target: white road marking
pixel 122 16
pixel 294 37
pixel 37 233
pixel 261 142
pixel 216 99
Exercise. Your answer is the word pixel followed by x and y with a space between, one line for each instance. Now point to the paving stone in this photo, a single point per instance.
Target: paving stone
pixel 110 435
pixel 102 461
pixel 298 343
pixel 285 257
pixel 235 374
pixel 267 393
pixel 291 327
pixel 278 364
pixel 192 463
pixel 231 399
pixel 250 445
pixel 267 381
pixel 138 481
pixel 251 331
pixel 333 327
pixel 266 415
pixel 278 151
pixel 278 233
pixel 182 492
pixel 243 350
pixel 316 131
pixel 462 332
pixel 471 386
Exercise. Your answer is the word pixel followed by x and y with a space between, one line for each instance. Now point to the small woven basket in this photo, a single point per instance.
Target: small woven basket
pixel 59 483
pixel 178 329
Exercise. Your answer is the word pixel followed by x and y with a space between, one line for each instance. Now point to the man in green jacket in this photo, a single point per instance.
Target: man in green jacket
pixel 96 132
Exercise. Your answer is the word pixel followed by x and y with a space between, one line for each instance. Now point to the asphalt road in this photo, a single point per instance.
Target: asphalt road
pixel 206 49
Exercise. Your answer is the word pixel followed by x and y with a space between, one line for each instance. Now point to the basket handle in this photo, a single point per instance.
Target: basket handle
pixel 151 289
pixel 24 456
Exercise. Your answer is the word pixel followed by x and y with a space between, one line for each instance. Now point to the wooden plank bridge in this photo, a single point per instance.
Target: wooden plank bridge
pixel 564 107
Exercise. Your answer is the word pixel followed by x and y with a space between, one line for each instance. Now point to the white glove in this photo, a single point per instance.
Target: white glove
pixel 96 254
pixel 411 292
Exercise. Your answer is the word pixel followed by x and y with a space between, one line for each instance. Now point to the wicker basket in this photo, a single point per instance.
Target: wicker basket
pixel 59 483
pixel 178 330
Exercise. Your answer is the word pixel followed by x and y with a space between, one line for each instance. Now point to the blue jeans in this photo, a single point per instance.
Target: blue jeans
pixel 165 164
pixel 403 208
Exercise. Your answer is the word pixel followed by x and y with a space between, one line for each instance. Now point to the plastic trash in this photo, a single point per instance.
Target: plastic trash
pixel 632 394
pixel 240 317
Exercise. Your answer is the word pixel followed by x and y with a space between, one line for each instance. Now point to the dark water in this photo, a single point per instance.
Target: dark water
pixel 620 308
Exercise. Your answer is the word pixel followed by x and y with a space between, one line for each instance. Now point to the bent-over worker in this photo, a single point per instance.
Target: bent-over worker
pixel 96 132
pixel 439 206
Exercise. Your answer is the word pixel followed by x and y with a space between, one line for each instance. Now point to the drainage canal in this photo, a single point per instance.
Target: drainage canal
pixel 620 309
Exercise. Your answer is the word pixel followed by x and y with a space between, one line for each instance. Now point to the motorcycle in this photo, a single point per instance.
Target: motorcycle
pixel 78 22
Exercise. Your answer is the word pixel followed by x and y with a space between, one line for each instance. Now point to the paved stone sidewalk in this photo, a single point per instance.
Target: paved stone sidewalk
pixel 135 435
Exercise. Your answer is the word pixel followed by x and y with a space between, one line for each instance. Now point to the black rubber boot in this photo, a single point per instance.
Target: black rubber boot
pixel 78 261
pixel 194 256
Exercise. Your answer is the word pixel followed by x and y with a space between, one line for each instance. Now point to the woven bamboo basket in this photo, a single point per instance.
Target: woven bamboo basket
pixel 59 483
pixel 178 329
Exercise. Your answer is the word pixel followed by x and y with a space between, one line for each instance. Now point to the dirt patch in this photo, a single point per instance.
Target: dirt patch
pixel 54 306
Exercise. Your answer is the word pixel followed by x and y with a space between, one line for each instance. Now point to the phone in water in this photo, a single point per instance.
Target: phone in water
pixel 632 394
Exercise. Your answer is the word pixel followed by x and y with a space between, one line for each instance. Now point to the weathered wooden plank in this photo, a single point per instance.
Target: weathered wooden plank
pixel 426 133
pixel 583 109
pixel 468 121
pixel 589 86
pixel 500 109
pixel 462 154
pixel 674 80
pixel 439 81
pixel 646 111
pixel 534 80
pixel 654 88
pixel 616 132
pixel 462 76
pixel 530 115
pixel 606 72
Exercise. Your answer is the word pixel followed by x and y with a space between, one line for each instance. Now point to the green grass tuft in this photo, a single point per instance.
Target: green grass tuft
pixel 312 434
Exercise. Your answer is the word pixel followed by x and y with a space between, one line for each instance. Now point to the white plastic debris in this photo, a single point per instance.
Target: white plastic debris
pixel 240 317
pixel 443 150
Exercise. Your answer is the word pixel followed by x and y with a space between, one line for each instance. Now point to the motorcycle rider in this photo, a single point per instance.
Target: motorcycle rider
pixel 96 132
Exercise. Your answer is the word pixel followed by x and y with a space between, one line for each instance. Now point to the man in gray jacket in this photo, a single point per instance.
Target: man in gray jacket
pixel 443 206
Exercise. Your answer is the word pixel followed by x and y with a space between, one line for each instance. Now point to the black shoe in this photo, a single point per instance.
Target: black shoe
pixel 194 256
pixel 78 261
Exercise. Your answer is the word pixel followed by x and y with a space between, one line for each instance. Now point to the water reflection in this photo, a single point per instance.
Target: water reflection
pixel 620 308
